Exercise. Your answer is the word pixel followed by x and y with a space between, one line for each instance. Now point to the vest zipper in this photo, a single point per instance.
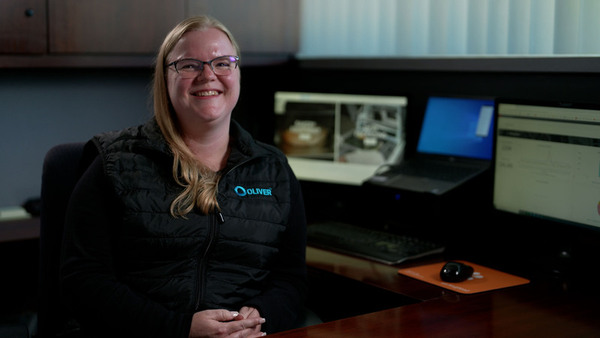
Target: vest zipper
pixel 204 252
pixel 215 217
pixel 241 164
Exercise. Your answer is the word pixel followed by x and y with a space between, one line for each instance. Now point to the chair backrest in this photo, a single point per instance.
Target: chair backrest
pixel 61 171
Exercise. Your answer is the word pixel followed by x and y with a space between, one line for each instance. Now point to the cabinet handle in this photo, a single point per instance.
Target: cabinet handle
pixel 29 12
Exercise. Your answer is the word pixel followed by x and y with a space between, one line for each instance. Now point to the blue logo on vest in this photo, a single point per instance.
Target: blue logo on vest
pixel 241 191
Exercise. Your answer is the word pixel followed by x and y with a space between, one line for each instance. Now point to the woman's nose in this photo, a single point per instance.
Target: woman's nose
pixel 206 73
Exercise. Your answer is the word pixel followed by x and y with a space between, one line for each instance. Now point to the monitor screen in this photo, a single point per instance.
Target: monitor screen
pixel 339 138
pixel 547 162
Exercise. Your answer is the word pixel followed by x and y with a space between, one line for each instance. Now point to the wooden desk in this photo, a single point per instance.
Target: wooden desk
pixel 538 309
pixel 17 230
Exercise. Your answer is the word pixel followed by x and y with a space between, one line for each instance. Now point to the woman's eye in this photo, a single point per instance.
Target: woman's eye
pixel 189 66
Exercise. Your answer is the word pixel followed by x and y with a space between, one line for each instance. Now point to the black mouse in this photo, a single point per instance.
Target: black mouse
pixel 455 272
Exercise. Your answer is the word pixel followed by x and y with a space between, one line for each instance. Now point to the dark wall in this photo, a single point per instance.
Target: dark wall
pixel 40 108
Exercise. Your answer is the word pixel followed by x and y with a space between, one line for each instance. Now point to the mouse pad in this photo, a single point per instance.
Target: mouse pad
pixel 484 279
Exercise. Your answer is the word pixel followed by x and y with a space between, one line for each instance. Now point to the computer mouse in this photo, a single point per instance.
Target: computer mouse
pixel 455 272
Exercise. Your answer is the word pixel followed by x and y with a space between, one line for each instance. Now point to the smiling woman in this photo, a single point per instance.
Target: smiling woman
pixel 158 218
pixel 218 93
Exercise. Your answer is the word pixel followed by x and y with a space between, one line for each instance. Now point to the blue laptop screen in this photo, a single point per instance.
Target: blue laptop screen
pixel 461 127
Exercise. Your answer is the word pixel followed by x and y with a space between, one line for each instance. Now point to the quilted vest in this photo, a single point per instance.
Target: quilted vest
pixel 201 261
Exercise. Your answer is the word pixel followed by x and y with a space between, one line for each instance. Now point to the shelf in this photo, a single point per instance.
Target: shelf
pixel 76 61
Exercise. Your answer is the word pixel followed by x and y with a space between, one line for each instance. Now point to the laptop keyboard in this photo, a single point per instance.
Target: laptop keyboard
pixel 376 245
pixel 437 170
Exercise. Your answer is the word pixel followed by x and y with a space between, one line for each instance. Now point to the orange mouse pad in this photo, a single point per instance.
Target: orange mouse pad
pixel 484 279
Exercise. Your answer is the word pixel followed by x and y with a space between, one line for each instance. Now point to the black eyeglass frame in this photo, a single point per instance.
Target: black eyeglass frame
pixel 202 63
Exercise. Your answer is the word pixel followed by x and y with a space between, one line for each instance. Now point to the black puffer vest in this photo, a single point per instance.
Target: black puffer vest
pixel 205 261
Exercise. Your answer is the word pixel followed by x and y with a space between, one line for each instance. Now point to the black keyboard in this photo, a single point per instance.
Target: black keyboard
pixel 380 246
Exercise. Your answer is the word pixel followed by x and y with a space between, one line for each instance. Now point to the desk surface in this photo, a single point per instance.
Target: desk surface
pixel 18 230
pixel 538 309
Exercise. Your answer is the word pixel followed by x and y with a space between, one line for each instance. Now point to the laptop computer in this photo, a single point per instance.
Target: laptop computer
pixel 455 144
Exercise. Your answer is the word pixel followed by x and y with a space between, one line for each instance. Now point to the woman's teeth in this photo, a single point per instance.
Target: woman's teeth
pixel 207 93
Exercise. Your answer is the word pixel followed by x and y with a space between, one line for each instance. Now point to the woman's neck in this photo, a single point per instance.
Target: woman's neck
pixel 211 148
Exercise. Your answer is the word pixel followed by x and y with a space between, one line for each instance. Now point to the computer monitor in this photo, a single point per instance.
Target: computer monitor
pixel 547 161
pixel 339 138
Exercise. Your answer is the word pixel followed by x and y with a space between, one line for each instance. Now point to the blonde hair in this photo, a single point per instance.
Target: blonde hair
pixel 199 183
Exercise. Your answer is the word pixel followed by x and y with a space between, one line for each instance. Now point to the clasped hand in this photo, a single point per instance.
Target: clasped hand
pixel 223 323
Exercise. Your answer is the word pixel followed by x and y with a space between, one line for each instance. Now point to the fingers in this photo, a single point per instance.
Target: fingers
pixel 227 323
pixel 250 320
pixel 249 323
pixel 212 323
pixel 249 312
pixel 222 315
pixel 248 327
pixel 237 323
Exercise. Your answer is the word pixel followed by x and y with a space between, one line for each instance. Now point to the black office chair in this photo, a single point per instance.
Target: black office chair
pixel 61 170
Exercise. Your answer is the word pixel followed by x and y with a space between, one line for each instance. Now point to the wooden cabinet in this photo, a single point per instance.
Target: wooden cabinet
pixel 128 33
pixel 111 26
pixel 259 26
pixel 23 26
pixel 84 33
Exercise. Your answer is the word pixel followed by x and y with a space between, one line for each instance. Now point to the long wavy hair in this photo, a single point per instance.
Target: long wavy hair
pixel 199 183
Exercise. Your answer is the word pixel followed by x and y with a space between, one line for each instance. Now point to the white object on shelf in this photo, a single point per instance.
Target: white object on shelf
pixel 13 213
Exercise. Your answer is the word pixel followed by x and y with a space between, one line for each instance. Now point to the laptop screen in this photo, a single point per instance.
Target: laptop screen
pixel 461 127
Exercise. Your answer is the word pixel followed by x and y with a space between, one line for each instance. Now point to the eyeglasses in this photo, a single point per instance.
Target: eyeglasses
pixel 222 65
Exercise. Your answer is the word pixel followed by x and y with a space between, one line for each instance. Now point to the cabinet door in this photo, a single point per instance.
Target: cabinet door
pixel 23 26
pixel 111 26
pixel 259 26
